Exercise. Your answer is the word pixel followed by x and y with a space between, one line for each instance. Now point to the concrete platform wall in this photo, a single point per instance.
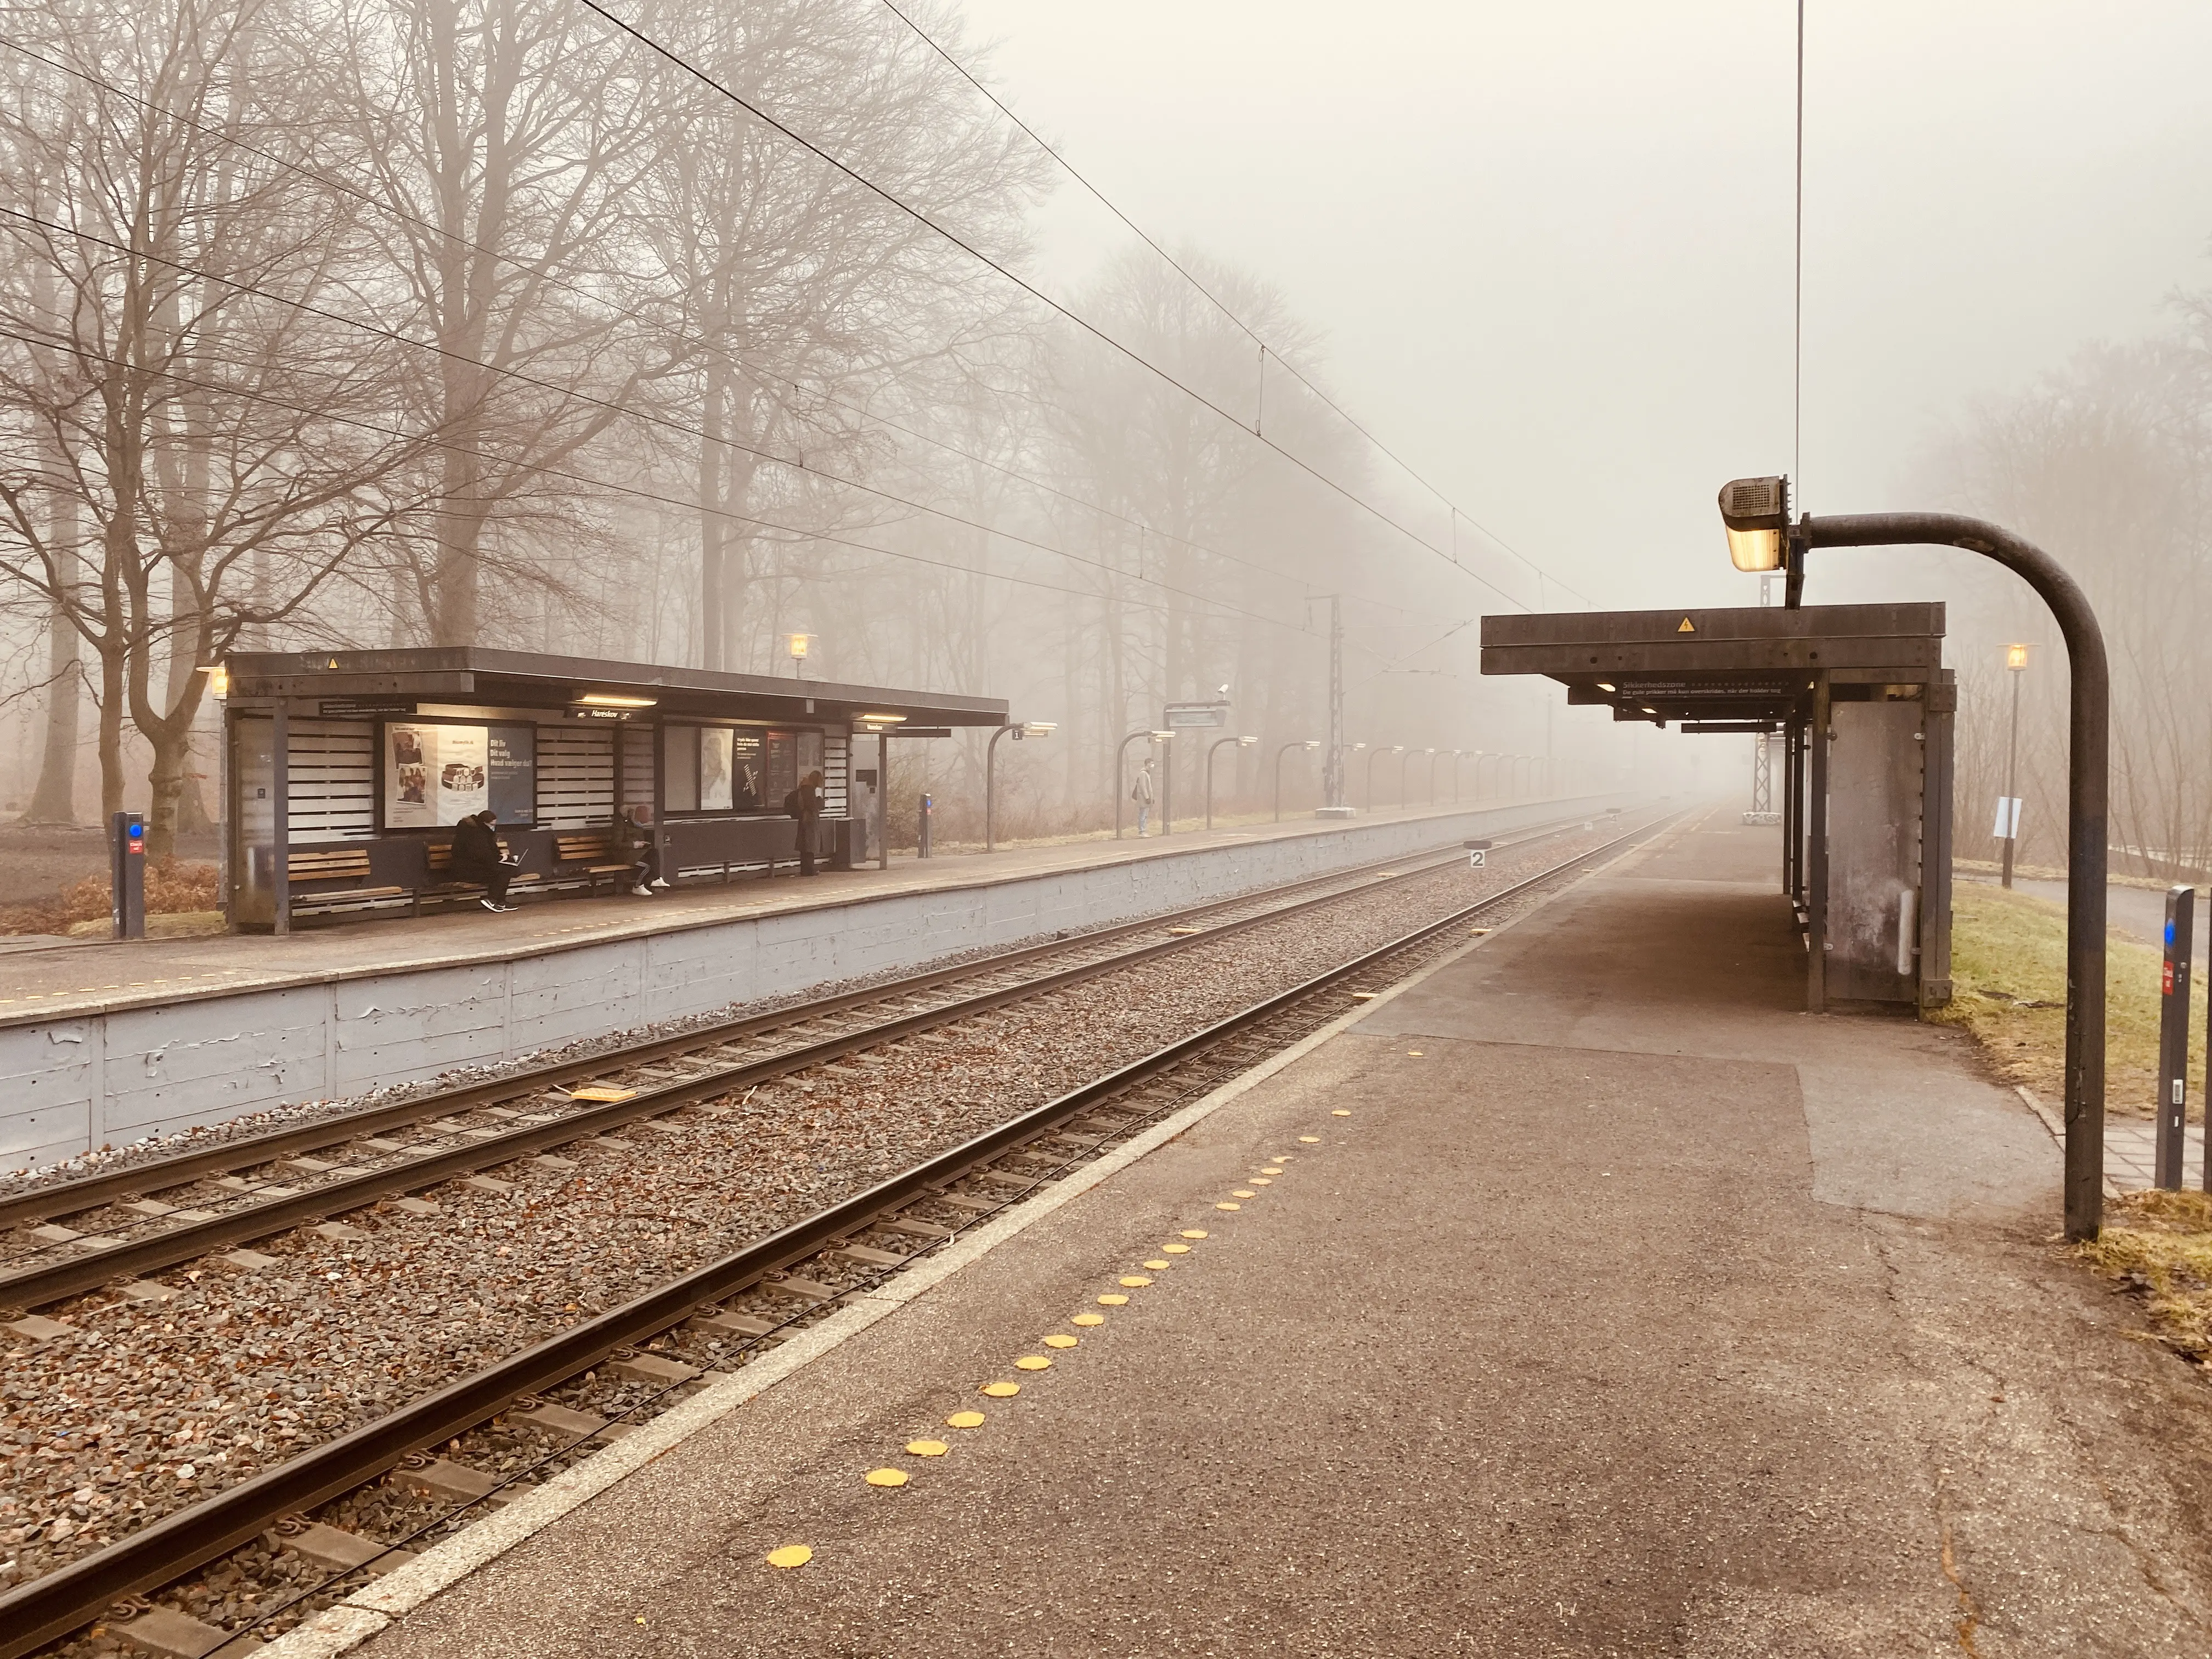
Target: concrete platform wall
pixel 72 1084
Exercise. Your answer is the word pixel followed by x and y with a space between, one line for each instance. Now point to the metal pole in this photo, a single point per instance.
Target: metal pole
pixel 1279 753
pixel 1373 755
pixel 1332 783
pixel 1213 749
pixel 2012 782
pixel 2087 803
pixel 2173 1035
pixel 991 789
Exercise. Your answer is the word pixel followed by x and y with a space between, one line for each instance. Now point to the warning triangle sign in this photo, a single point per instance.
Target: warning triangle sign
pixel 334 661
pixel 1687 626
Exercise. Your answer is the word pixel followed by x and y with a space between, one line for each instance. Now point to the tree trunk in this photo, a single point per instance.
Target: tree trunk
pixel 54 800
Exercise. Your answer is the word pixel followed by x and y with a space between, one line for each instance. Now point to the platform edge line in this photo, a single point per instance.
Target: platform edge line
pixel 370 1611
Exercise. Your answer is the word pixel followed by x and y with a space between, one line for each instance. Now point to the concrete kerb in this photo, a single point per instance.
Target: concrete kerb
pixel 87 1077
pixel 372 1609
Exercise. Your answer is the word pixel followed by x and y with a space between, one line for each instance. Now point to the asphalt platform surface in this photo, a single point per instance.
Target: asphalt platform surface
pixel 1630 1311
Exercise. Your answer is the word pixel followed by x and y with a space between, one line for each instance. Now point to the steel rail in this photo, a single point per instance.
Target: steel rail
pixel 55 1282
pixel 154 1175
pixel 59 1602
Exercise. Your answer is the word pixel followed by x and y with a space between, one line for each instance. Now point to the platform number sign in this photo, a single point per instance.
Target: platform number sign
pixel 1477 854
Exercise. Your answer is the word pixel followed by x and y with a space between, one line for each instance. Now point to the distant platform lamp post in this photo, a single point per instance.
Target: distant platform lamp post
pixel 2008 808
pixel 1761 538
pixel 1480 756
pixel 1457 755
pixel 1380 750
pixel 798 645
pixel 1431 754
pixel 1215 748
pixel 1302 743
pixel 1018 731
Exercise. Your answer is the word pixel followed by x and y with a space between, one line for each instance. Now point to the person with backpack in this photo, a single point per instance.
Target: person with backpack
pixel 1142 792
pixel 805 805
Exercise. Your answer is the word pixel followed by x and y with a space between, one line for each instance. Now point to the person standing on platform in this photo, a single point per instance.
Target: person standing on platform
pixel 478 858
pixel 1142 792
pixel 805 805
pixel 638 845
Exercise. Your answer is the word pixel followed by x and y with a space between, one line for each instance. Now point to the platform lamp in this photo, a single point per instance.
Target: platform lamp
pixel 1755 513
pixel 1480 756
pixel 1213 749
pixel 1380 750
pixel 1301 743
pixel 1018 731
pixel 1431 754
pixel 2008 814
pixel 796 645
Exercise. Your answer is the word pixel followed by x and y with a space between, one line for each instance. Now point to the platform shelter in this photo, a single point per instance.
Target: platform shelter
pixel 345 771
pixel 1859 701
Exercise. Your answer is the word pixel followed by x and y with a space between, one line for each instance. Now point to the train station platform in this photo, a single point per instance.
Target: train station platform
pixel 108 1042
pixel 1606 1303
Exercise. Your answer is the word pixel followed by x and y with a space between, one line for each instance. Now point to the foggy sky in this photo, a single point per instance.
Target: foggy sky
pixel 1551 245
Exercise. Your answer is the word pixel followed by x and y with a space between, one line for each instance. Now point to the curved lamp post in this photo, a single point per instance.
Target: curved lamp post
pixel 1024 729
pixel 1381 750
pixel 1218 745
pixel 1120 760
pixel 1480 756
pixel 1302 743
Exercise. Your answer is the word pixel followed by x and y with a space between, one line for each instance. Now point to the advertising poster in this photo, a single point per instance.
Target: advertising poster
pixel 715 792
pixel 515 773
pixel 435 774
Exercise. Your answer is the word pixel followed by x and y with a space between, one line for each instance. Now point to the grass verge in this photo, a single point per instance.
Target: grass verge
pixel 2160 1245
pixel 2009 988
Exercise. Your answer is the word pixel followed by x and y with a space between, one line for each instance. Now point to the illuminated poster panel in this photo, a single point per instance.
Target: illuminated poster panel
pixel 435 774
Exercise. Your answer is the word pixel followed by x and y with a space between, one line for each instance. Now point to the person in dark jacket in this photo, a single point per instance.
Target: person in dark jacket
pixel 476 858
pixel 634 836
pixel 805 804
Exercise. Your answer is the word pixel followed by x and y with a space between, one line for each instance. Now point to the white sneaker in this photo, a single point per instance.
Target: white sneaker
pixel 658 881
pixel 642 891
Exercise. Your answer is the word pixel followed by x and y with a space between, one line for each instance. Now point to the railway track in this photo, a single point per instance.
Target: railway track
pixel 550 1403
pixel 106 1231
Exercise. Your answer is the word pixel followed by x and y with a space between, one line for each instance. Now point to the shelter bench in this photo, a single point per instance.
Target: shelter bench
pixel 345 864
pixel 597 856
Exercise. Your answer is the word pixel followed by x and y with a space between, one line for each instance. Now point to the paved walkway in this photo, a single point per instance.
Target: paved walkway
pixel 81 975
pixel 1628 1311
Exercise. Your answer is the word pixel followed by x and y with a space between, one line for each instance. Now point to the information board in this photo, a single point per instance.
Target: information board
pixel 436 774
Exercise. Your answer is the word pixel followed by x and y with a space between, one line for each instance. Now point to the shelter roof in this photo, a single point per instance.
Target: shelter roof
pixel 523 679
pixel 1739 664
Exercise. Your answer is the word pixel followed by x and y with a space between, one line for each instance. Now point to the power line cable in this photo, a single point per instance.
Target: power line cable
pixel 1223 306
pixel 618 409
pixel 595 482
pixel 975 253
pixel 759 371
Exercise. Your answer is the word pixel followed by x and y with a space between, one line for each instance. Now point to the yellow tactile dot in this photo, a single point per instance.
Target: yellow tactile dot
pixel 791 1555
pixel 1001 1391
pixel 886 1477
pixel 1176 1250
pixel 964 1420
pixel 1133 1281
pixel 1088 1320
pixel 1262 1180
pixel 1310 1140
pixel 1060 1340
pixel 1032 1362
pixel 1243 1192
pixel 1194 1232
pixel 927 1447
pixel 1340 1112
pixel 1417 1052
pixel 1228 1206
pixel 1113 1301
pixel 1157 1266
pixel 1274 1171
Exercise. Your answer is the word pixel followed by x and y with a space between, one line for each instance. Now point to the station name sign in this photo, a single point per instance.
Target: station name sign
pixel 356 708
pixel 1196 716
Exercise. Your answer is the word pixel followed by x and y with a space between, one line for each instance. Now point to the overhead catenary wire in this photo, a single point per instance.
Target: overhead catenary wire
pixel 1226 310
pixel 1084 324
pixel 758 370
pixel 395 336
pixel 636 492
